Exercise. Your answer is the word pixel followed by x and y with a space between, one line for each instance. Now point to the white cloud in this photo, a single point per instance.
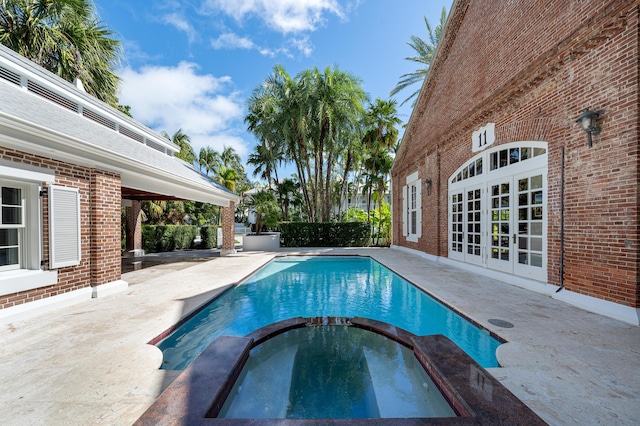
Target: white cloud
pixel 286 16
pixel 181 24
pixel 171 98
pixel 232 41
pixel 303 44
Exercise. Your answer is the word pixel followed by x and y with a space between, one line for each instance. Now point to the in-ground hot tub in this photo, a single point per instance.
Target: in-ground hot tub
pixel 333 372
pixel 464 392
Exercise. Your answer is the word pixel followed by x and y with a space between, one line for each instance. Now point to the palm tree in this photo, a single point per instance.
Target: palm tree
pixel 275 114
pixel 153 211
pixel 263 203
pixel 208 159
pixel 67 38
pixel 287 189
pixel 227 177
pixel 310 115
pixel 184 142
pixel 381 121
pixel 336 108
pixel 352 156
pixel 265 161
pixel 425 51
pixel 230 158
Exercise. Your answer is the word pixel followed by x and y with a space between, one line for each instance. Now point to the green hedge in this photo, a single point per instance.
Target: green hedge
pixel 346 234
pixel 209 235
pixel 159 238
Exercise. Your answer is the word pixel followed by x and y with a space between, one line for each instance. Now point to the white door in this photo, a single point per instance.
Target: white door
pixel 517 225
pixel 466 225
pixel 531 223
pixel 456 225
pixel 500 256
pixel 473 241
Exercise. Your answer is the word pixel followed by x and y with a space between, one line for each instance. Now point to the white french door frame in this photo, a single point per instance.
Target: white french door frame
pixel 531 225
pixel 500 224
pixel 509 207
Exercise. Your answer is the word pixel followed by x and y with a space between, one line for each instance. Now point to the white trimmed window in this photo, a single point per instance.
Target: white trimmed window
pixel 412 208
pixel 12 225
pixel 21 229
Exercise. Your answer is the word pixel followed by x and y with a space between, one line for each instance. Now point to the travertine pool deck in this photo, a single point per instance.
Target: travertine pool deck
pixel 90 364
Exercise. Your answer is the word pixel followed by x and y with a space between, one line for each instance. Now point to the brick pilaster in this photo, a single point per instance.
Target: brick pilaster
pixel 105 204
pixel 134 226
pixel 228 220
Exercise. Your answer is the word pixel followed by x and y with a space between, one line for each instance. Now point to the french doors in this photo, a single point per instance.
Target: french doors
pixel 498 210
pixel 466 221
pixel 517 225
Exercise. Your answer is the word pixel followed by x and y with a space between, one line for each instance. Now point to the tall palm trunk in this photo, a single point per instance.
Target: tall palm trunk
pixel 327 188
pixel 345 176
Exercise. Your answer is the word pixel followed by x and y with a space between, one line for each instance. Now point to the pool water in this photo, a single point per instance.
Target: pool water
pixel 347 286
pixel 333 372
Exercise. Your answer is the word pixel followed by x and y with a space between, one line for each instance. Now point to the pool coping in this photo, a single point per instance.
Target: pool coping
pixel 198 394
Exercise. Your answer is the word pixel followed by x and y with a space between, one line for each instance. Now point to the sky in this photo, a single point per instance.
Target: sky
pixel 192 64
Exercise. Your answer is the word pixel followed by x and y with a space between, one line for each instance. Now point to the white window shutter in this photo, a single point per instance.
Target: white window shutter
pixel 419 208
pixel 64 226
pixel 405 210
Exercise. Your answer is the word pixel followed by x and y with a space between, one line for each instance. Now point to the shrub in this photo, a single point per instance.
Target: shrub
pixel 348 234
pixel 209 235
pixel 159 238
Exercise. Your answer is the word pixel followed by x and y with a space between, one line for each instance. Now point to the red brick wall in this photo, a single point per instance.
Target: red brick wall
pixel 100 202
pixel 134 225
pixel 531 68
pixel 106 220
pixel 228 227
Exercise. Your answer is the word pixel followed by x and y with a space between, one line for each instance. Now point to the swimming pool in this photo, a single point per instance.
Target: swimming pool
pixel 308 286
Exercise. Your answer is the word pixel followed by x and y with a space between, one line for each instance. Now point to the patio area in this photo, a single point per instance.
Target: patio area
pixel 90 364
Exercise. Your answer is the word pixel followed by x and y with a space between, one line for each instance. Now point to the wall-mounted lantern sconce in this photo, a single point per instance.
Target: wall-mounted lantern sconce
pixel 428 184
pixel 587 120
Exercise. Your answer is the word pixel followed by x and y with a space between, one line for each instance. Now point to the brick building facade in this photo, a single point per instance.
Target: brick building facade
pixel 68 165
pixel 495 175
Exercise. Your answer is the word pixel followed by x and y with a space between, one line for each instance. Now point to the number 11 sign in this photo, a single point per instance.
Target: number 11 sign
pixel 482 138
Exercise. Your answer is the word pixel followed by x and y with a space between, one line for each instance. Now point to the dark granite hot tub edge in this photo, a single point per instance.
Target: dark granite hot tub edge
pixel 198 394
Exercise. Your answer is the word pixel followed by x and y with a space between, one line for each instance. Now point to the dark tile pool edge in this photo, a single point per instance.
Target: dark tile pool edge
pixel 198 394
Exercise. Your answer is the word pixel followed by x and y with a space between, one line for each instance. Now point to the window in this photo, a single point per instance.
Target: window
pixel 12 223
pixel 21 229
pixel 412 208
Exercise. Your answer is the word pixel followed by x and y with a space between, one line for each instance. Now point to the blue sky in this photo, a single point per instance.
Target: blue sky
pixel 193 64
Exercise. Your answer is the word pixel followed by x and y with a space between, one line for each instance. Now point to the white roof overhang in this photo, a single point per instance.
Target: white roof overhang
pixel 134 174
pixel 29 122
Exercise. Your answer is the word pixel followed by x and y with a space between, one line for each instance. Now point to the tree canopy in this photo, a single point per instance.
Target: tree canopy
pixel 65 37
pixel 321 122
pixel 425 51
